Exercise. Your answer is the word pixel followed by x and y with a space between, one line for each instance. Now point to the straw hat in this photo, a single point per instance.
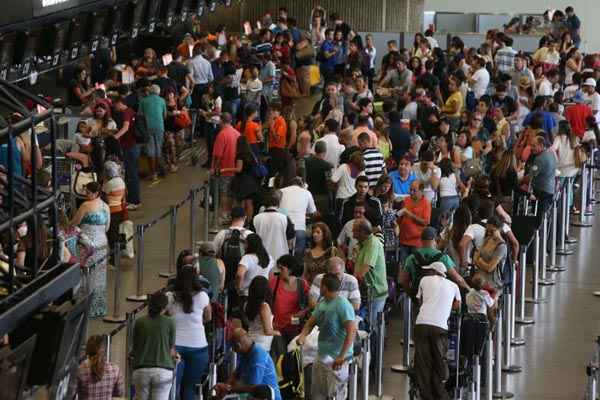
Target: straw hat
pixel 524 82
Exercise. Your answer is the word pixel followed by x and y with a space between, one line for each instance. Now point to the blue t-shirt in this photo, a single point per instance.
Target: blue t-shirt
pixel 331 318
pixel 401 188
pixel 328 63
pixel 548 125
pixel 256 368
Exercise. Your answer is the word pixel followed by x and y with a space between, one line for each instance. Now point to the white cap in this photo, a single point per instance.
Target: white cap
pixel 590 82
pixel 437 266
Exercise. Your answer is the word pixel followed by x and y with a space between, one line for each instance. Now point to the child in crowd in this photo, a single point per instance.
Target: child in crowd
pixel 480 299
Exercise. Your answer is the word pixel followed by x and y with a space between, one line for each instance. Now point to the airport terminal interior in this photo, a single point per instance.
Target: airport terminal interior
pixel 298 199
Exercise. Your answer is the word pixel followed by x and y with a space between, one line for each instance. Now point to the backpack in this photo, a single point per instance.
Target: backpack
pixel 232 251
pixel 472 167
pixel 290 374
pixel 420 262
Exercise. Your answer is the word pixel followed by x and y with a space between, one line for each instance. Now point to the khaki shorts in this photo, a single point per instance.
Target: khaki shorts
pixel 224 183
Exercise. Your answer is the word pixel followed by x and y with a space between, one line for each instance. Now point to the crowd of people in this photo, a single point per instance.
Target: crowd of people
pixel 403 172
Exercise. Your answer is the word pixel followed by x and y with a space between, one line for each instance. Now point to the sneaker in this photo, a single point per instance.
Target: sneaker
pixel 133 207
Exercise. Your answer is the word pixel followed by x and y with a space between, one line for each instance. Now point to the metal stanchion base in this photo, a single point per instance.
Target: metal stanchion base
pixel 213 230
pixel 166 275
pixel 115 319
pixel 556 268
pixel 137 298
pixel 597 293
pixel 525 321
pixel 571 240
pixel 546 282
pixel 503 395
pixel 512 369
pixel 517 341
pixel 581 225
pixel 399 368
pixel 539 300
pixel 589 214
pixel 383 397
pixel 564 252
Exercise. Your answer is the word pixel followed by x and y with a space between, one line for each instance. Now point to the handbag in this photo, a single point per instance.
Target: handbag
pixel 581 156
pixel 259 170
pixel 140 129
pixel 183 120
pixel 81 179
pixel 126 232
pixel 289 88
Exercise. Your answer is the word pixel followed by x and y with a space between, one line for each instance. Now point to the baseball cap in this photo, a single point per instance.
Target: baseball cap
pixel 578 98
pixel 590 82
pixel 437 266
pixel 429 233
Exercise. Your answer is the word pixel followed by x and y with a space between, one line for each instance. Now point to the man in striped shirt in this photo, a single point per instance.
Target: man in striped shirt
pixel 374 162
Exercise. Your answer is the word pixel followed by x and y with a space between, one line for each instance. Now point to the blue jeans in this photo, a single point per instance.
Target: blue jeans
pixel 377 306
pixel 132 174
pixel 191 371
pixel 300 245
pixel 232 106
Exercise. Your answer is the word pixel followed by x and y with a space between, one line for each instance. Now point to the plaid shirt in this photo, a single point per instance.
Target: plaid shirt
pixel 111 384
pixel 505 59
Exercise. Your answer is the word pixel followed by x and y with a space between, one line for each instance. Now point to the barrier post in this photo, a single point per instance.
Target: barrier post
pixel 553 265
pixel 489 370
pixel 592 374
pixel 406 333
pixel 514 340
pixel 108 348
pixel 128 347
pixel 535 288
pixel 498 393
pixel 544 280
pixel 140 267
pixel 589 211
pixel 116 316
pixel 508 334
pixel 563 249
pixel 379 360
pixel 522 319
pixel 570 183
pixel 206 211
pixel 583 220
pixel 216 200
pixel 172 242
pixel 352 380
pixel 476 382
pixel 366 363
pixel 193 220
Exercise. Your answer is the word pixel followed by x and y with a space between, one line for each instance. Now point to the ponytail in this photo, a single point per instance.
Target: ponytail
pixel 97 357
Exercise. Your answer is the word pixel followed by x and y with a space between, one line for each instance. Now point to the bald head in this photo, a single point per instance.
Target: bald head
pixel 335 265
pixel 241 341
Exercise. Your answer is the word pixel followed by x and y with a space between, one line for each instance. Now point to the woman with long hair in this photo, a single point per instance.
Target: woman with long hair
pixel 255 262
pixel 93 218
pixel 257 315
pixel 245 184
pixel 114 191
pixel 564 146
pixel 490 257
pixel 503 176
pixel 101 123
pixel 321 250
pixel 190 308
pixel 384 143
pixel 96 377
pixel 450 187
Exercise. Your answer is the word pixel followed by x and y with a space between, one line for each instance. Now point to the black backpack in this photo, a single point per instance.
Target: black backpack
pixel 232 251
pixel 420 262
pixel 290 375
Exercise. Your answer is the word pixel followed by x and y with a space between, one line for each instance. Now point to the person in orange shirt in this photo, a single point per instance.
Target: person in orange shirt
pixel 251 129
pixel 278 152
pixel 186 48
pixel 277 129
pixel 412 219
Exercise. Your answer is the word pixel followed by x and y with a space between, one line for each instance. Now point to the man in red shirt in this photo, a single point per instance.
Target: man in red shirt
pixel 223 158
pixel 125 119
pixel 412 219
pixel 577 114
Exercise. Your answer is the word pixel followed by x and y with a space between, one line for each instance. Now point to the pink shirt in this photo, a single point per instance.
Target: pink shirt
pixel 225 148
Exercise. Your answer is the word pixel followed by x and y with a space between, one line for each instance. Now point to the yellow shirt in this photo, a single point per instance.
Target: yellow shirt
pixel 454 102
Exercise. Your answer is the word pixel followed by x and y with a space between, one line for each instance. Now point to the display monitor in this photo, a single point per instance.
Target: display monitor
pixel 153 14
pixel 76 36
pixel 59 31
pixel 115 23
pixel 7 52
pixel 26 50
pixel 186 9
pixel 211 5
pixel 137 17
pixel 169 11
pixel 97 28
pixel 14 369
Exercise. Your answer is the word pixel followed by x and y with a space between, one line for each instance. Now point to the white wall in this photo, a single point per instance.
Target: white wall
pixel 587 10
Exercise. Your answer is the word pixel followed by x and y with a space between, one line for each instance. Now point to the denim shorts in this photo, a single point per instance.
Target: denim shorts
pixel 155 143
